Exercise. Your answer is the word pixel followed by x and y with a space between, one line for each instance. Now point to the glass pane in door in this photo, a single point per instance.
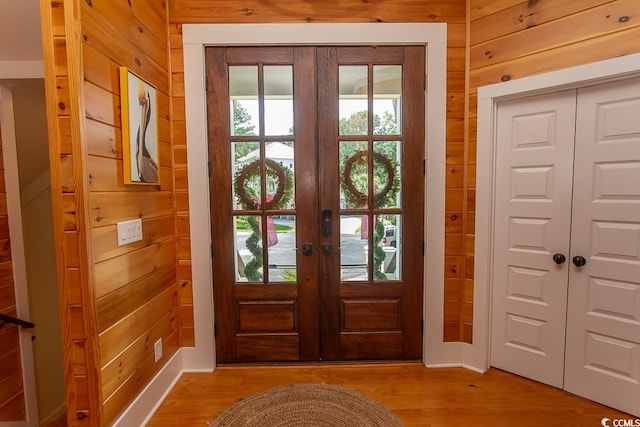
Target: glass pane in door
pixel 354 175
pixel 387 174
pixel 245 167
pixel 278 100
pixel 248 248
pixel 353 103
pixel 243 95
pixel 353 248
pixel 387 95
pixel 280 183
pixel 387 258
pixel 281 243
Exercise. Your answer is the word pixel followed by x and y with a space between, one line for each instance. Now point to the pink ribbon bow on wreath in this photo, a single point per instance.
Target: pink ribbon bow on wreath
pixel 272 235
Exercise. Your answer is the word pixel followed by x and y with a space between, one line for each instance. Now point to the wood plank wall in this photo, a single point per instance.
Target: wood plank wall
pixel 511 39
pixel 453 12
pixel 12 406
pixel 115 301
pixel 507 39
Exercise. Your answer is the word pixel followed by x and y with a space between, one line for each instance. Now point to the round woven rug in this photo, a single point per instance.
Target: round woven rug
pixel 307 405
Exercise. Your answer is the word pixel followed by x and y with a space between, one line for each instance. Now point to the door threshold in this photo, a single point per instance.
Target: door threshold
pixel 320 363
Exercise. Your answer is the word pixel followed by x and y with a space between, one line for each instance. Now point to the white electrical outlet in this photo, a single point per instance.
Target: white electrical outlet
pixel 129 231
pixel 157 348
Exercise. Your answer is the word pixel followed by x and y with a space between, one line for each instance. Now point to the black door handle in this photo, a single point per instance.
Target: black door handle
pixel 307 249
pixel 578 261
pixel 559 258
pixel 327 248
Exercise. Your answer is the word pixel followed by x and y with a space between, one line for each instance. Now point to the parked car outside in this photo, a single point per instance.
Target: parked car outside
pixel 389 236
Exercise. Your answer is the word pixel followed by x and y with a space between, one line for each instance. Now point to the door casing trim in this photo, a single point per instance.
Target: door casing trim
pixel 488 98
pixel 195 38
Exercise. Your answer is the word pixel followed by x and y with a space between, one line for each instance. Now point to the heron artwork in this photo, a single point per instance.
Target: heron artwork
pixel 147 166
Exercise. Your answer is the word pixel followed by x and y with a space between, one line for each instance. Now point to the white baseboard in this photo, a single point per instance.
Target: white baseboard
pixel 473 368
pixel 456 365
pixel 149 400
pixel 444 365
pixel 186 359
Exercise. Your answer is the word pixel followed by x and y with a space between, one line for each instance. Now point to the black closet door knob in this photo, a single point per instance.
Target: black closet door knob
pixel 578 261
pixel 559 259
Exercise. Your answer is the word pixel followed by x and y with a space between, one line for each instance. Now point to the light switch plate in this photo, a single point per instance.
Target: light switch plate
pixel 129 231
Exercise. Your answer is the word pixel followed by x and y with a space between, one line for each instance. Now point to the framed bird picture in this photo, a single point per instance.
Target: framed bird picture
pixel 139 109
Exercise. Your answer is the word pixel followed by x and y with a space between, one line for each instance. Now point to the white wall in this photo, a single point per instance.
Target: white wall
pixel 31 129
pixel 37 227
pixel 43 301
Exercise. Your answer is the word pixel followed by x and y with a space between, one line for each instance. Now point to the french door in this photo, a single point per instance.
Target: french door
pixel 317 195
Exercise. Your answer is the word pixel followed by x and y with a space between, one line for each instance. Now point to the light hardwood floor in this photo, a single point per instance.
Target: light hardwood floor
pixel 417 395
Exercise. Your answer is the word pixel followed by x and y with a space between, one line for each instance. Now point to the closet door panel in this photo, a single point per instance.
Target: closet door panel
pixel 603 330
pixel 534 166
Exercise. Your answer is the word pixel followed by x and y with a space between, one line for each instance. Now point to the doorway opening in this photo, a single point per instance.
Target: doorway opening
pixel 434 36
pixel 306 174
pixel 29 246
pixel 605 114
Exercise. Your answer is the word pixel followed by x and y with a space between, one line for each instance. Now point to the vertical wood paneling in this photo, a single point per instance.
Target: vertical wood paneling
pixel 515 38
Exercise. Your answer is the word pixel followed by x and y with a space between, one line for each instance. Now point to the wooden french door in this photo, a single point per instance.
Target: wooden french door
pixel 317 195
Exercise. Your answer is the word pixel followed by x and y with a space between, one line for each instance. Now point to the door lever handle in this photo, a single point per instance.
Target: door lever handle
pixel 307 249
pixel 327 249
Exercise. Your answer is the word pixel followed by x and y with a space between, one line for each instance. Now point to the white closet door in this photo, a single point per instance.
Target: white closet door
pixel 603 331
pixel 535 142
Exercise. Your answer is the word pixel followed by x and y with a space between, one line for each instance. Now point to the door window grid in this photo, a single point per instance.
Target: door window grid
pixel 261 104
pixel 369 112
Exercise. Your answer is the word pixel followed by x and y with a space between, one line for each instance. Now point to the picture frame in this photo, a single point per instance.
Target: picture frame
pixel 139 110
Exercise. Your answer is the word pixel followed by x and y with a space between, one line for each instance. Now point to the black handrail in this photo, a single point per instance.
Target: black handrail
pixel 4 319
